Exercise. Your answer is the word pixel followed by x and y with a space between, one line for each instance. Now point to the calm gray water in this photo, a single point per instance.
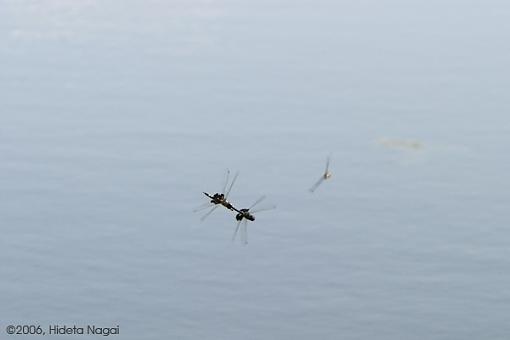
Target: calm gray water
pixel 116 115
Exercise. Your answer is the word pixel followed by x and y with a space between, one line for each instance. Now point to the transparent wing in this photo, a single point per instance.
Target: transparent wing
pixel 244 232
pixel 231 185
pixel 236 230
pixel 263 209
pixel 328 160
pixel 258 201
pixel 203 206
pixel 226 181
pixel 209 212
pixel 316 185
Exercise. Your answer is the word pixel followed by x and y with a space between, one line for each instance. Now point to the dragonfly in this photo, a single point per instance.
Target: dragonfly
pixel 326 175
pixel 245 215
pixel 219 199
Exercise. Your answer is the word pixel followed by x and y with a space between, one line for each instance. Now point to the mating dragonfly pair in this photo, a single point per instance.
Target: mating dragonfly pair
pixel 243 215
pixel 246 214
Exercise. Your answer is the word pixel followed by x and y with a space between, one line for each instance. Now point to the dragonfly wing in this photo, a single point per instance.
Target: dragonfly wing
pixel 202 207
pixel 328 160
pixel 244 232
pixel 263 209
pixel 209 213
pixel 316 185
pixel 257 201
pixel 226 181
pixel 231 185
pixel 235 231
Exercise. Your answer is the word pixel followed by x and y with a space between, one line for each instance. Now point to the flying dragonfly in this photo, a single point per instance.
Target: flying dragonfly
pixel 219 198
pixel 327 174
pixel 245 215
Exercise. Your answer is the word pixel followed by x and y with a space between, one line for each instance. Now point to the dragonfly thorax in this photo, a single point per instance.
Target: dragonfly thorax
pixel 245 213
pixel 217 198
